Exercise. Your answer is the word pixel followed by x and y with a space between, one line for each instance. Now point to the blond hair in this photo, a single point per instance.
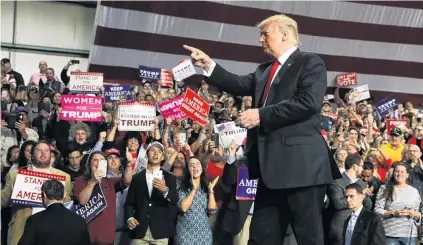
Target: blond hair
pixel 283 23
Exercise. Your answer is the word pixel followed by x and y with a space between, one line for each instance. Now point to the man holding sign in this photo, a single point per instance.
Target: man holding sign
pixel 27 186
pixel 285 148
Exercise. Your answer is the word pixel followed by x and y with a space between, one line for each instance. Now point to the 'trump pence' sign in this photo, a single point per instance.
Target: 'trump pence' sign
pixel 85 82
pixel 349 79
pixel 135 116
pixel 195 107
pixel 81 108
pixel 149 73
pixel 27 187
pixel 183 70
pixel 385 105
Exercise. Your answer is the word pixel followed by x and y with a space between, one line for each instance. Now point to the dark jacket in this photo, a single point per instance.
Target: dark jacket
pixel 155 212
pixel 55 225
pixel 368 229
pixel 289 122
pixel 338 206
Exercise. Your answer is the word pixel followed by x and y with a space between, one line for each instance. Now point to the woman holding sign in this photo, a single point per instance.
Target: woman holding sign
pixel 196 201
pixel 96 195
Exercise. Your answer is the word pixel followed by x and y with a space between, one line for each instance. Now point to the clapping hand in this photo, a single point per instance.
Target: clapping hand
pixel 212 184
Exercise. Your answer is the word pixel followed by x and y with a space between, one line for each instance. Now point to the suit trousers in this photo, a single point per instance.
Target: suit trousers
pixel 149 240
pixel 275 209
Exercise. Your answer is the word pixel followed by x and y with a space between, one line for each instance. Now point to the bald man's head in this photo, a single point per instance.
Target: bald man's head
pixel 414 152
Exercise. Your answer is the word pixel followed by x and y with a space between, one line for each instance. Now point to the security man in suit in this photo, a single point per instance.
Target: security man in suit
pixel 40 158
pixel 363 227
pixel 56 224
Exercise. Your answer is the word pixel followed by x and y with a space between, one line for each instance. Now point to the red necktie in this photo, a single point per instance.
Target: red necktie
pixel 269 82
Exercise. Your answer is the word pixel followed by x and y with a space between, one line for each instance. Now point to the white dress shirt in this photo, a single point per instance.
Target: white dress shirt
pixel 150 176
pixel 282 59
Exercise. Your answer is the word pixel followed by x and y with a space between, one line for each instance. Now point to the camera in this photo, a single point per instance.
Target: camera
pixel 215 139
pixel 11 119
pixel 46 91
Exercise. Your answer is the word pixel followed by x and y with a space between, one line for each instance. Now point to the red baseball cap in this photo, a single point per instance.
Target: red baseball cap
pixel 112 151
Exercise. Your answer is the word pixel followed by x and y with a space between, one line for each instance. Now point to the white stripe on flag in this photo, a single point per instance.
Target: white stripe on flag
pixel 191 28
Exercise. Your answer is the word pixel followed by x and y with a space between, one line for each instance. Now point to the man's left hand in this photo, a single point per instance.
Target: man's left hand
pixel 249 118
pixel 160 184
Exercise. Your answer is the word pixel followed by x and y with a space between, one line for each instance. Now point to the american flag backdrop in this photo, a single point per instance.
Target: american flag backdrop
pixel 381 41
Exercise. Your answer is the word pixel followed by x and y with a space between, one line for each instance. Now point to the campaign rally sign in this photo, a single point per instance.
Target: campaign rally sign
pixel 95 205
pixel 384 106
pixel 195 107
pixel 230 132
pixel 345 80
pixel 395 123
pixel 117 93
pixel 81 108
pixel 171 108
pixel 166 78
pixel 85 82
pixel 183 70
pixel 149 73
pixel 246 189
pixel 27 187
pixel 136 116
pixel 359 93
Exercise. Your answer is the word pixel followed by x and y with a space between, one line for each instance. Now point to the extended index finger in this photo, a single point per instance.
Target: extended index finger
pixel 192 49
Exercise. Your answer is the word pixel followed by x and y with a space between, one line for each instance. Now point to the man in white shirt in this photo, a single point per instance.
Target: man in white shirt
pixel 363 226
pixel 150 206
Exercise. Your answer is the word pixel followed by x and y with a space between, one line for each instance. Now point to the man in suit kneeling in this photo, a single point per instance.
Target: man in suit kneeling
pixel 56 224
pixel 363 227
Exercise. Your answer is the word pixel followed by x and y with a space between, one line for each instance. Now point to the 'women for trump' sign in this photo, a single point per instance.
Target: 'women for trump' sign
pixel 81 108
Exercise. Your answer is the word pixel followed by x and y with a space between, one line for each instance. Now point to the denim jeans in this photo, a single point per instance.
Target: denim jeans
pixel 401 240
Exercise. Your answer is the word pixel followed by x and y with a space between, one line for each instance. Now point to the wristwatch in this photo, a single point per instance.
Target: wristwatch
pixel 392 214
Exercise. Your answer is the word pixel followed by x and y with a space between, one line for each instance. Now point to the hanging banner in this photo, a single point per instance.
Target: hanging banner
pixel 85 82
pixel 27 187
pixel 136 116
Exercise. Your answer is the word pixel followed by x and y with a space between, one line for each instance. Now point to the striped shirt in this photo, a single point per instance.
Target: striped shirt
pixel 403 198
